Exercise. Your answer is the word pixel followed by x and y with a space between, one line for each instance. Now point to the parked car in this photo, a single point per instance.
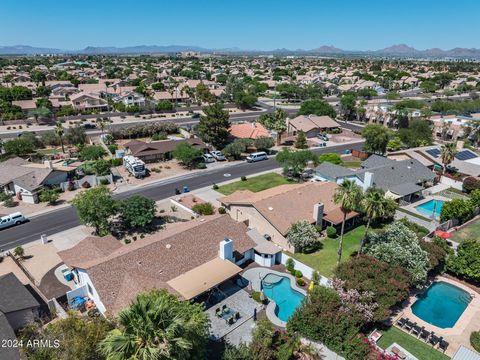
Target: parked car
pixel 322 137
pixel 207 158
pixel 218 155
pixel 257 156
pixel 12 219
pixel 88 126
pixel 195 115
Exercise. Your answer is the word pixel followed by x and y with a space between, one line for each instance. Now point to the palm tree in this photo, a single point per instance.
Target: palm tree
pixel 59 131
pixel 101 124
pixel 349 196
pixel 448 152
pixel 157 326
pixel 375 206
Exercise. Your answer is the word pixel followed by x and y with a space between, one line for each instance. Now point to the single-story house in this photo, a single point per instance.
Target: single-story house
pixel 159 150
pixel 26 179
pixel 399 179
pixel 17 304
pixel 271 212
pixel 187 259
pixel 7 334
pixel 251 130
pixel 311 125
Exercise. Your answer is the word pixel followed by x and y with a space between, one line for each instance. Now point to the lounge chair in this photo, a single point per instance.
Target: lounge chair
pixel 224 306
pixel 401 322
pixel 218 312
pixel 434 340
pixel 237 315
pixel 409 325
pixel 443 345
pixel 425 334
pixel 416 330
pixel 230 320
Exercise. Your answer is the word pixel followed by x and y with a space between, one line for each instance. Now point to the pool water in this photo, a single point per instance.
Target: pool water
pixel 442 304
pixel 427 208
pixel 278 289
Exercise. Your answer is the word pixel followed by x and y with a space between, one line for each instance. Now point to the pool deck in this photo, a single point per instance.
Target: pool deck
pixel 459 334
pixel 255 276
pixel 412 207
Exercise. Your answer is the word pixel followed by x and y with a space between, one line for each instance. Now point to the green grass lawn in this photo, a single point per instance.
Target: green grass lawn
pixel 416 347
pixel 255 184
pixel 325 259
pixel 353 164
pixel 471 231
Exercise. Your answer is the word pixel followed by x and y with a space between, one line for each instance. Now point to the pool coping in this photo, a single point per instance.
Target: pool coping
pixel 271 306
pixel 461 323
pixel 412 207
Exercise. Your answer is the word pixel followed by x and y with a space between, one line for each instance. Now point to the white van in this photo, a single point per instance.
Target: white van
pixel 12 219
pixel 257 156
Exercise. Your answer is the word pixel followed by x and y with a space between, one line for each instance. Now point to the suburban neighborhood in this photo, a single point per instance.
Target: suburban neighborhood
pixel 223 203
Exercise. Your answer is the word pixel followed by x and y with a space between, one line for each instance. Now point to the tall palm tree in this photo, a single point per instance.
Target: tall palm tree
pixel 101 124
pixel 349 196
pixel 157 326
pixel 59 131
pixel 375 206
pixel 447 153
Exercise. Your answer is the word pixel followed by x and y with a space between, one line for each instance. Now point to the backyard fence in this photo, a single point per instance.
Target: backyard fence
pixel 306 270
pixel 93 180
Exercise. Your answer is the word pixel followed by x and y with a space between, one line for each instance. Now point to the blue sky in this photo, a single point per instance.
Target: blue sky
pixel 247 24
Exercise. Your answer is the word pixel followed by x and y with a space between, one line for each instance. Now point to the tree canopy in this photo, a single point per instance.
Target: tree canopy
pixel 317 107
pixel 376 139
pixel 213 126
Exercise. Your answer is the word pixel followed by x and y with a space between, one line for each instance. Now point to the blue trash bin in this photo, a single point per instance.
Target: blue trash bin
pixel 186 189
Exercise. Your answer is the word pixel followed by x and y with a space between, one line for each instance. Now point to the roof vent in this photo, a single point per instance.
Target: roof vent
pixel 270 208
pixel 139 263
pixel 168 246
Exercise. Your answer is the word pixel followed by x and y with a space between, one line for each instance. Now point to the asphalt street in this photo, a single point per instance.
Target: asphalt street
pixel 66 218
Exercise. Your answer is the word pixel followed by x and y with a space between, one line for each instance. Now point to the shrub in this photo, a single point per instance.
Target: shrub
pixel 201 165
pixel 221 210
pixel 9 202
pixel 298 274
pixel 459 209
pixel 104 181
pixel 86 185
pixel 204 209
pixel 475 340
pixel 290 265
pixel 303 236
pixel 243 178
pixel 471 183
pixel 215 187
pixel 49 195
pixel 331 232
pixel 116 161
pixel 300 282
pixel 256 296
pixel 316 278
pixel 19 252
pixel 4 196
pixel 112 148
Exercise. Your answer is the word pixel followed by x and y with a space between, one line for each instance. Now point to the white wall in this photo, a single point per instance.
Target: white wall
pixel 452 183
pixel 85 281
pixel 306 270
pixel 265 260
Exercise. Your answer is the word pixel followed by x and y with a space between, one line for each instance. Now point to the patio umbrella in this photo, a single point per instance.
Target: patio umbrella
pixel 442 234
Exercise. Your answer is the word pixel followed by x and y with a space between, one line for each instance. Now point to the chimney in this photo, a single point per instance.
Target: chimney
pixel 318 213
pixel 367 180
pixel 48 164
pixel 226 249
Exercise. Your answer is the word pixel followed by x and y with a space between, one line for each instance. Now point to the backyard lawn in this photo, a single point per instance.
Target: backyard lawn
pixel 471 231
pixel 255 184
pixel 325 259
pixel 416 347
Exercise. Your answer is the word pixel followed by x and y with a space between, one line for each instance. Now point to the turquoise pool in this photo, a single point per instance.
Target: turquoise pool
pixel 442 304
pixel 428 207
pixel 277 288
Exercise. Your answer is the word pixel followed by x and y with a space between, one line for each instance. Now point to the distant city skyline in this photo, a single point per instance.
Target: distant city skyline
pixel 247 25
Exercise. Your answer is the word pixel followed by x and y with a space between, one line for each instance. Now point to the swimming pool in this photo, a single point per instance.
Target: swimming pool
pixel 442 304
pixel 427 208
pixel 277 288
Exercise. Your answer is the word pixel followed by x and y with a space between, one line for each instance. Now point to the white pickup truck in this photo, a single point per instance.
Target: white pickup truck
pixel 11 220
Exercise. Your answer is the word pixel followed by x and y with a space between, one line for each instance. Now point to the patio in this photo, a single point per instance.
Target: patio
pixel 236 300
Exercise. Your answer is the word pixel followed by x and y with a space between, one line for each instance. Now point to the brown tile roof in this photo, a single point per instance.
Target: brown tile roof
pixel 141 148
pixel 310 122
pixel 286 204
pixel 248 131
pixel 158 258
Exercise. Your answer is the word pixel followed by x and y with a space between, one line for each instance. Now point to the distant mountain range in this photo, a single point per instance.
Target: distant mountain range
pixel 399 50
